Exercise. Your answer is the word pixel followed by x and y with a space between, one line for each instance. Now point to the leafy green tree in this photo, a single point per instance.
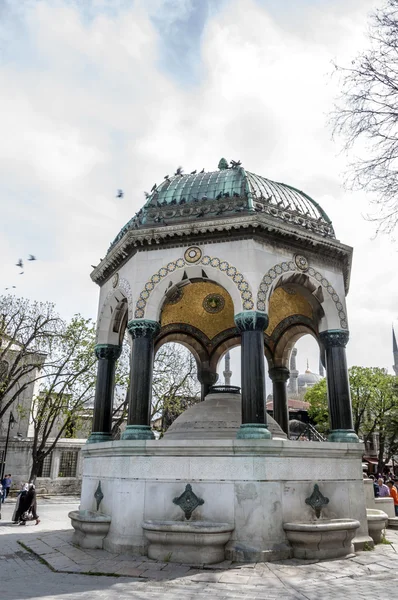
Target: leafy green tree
pixel 374 396
pixel 27 333
pixel 66 390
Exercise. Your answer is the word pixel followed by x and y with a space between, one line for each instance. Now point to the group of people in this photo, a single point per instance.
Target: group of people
pixel 25 506
pixel 384 487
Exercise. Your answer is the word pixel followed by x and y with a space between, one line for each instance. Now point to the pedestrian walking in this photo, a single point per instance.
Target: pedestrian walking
pixel 383 488
pixel 394 495
pixel 6 486
pixel 17 510
pixel 28 506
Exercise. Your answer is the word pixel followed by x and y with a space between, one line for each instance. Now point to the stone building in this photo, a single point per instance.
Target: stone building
pixel 61 472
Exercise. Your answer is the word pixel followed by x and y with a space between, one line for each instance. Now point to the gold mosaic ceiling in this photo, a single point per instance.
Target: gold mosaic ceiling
pixel 204 305
pixel 284 304
pixel 209 308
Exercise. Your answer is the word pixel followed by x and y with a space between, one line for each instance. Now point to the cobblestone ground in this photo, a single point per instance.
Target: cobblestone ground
pixel 40 562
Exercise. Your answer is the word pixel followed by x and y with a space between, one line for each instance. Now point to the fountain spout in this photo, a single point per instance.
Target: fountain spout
pixel 317 501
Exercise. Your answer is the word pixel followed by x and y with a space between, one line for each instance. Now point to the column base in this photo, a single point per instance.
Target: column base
pixel 99 436
pixel 253 431
pixel 138 432
pixel 343 435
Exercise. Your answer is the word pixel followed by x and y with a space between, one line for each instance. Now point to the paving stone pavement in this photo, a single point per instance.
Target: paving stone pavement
pixel 41 562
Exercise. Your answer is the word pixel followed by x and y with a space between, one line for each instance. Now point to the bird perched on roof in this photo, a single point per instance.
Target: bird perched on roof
pixel 19 263
pixel 153 188
pixel 146 195
pixel 120 194
pixel 32 257
pixel 203 170
pixel 167 177
pixel 235 164
pixel 193 172
pixel 94 266
pixel 179 171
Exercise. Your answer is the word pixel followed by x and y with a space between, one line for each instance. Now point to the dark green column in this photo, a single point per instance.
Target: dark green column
pixel 339 398
pixel 279 376
pixel 251 325
pixel 143 333
pixel 107 355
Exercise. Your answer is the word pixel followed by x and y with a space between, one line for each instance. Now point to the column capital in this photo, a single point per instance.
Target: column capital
pixel 334 338
pixel 107 351
pixel 251 320
pixel 279 374
pixel 139 328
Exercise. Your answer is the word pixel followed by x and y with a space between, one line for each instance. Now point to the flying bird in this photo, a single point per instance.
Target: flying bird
pixel 22 272
pixel 19 263
pixel 179 171
pixel 32 257
pixel 120 194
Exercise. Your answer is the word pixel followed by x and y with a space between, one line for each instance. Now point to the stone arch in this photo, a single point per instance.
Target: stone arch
pixel 286 342
pixel 194 346
pixel 298 272
pixel 213 268
pixel 113 317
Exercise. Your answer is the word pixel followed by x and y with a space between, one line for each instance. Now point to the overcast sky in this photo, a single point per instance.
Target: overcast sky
pixel 104 94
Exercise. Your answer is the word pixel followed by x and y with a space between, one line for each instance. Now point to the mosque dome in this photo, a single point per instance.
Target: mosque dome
pixel 228 192
pixel 308 379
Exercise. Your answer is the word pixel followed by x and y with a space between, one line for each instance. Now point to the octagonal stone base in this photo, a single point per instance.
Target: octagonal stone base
pixel 194 542
pixel 323 539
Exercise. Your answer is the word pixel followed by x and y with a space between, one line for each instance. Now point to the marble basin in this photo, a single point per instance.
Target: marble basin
pixel 377 522
pixel 322 539
pixel 192 542
pixel 90 528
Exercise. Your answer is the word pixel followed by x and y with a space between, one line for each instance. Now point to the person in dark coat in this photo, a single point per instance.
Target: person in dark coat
pixel 16 517
pixel 28 506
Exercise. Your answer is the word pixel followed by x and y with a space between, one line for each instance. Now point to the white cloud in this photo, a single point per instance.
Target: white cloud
pixel 88 110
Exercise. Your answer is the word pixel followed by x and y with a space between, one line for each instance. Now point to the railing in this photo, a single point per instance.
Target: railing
pixel 224 389
pixel 309 434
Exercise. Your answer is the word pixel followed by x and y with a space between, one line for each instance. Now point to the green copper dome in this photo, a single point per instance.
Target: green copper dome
pixel 229 192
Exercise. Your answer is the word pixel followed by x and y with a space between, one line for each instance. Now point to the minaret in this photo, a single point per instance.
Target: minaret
pixel 293 388
pixel 395 352
pixel 227 373
pixel 321 369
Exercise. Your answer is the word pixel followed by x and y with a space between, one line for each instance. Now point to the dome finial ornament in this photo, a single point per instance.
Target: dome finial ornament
pixel 223 164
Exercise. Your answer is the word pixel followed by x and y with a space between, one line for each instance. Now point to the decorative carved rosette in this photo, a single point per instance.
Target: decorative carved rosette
pixel 107 351
pixel 193 254
pixel 334 338
pixel 251 320
pixel 143 328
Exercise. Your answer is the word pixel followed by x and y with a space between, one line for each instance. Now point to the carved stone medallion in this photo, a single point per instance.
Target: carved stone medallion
pixel 115 280
pixel 301 262
pixel 193 254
